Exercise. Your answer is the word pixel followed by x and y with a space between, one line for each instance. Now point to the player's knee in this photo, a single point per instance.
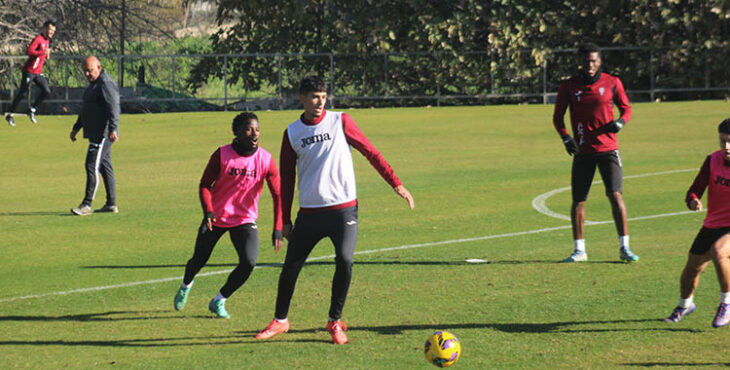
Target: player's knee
pixel 345 261
pixel 247 263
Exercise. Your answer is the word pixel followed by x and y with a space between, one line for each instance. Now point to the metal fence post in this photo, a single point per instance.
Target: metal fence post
pixel 12 83
pixel 173 77
pixel 65 68
pixel 544 81
pixel 281 95
pixel 225 83
pixel 332 79
pixel 438 80
pixel 385 73
pixel 651 75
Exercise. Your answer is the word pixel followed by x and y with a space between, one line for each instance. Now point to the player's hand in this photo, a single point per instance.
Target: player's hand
pixel 72 135
pixel 286 230
pixel 405 194
pixel 570 146
pixel 616 125
pixel 48 53
pixel 695 205
pixel 209 219
pixel 113 136
pixel 278 240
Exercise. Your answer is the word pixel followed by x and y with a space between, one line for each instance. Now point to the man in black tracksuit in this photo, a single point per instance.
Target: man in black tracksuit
pixel 99 118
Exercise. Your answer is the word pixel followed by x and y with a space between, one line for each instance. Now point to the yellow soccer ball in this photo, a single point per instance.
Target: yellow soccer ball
pixel 442 349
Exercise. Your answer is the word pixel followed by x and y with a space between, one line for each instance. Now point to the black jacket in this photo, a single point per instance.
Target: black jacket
pixel 100 111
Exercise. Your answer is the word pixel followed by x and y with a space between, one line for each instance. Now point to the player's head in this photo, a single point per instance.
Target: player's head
pixel 589 58
pixel 313 96
pixel 724 131
pixel 246 129
pixel 49 28
pixel 91 68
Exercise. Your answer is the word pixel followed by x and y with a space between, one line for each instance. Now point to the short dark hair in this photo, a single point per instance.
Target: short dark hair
pixel 724 127
pixel 243 119
pixel 312 84
pixel 587 48
pixel 49 23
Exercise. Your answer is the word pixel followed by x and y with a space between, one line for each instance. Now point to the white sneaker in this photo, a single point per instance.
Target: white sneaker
pixel 9 118
pixel 577 257
pixel 31 115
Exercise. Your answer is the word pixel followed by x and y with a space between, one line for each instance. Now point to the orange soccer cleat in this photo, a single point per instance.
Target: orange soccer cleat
pixel 275 327
pixel 337 330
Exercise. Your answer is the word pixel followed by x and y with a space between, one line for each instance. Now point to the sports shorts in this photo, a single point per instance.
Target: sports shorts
pixel 584 168
pixel 706 238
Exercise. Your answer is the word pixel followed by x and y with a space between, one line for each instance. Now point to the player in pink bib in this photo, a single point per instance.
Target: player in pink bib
pixel 229 194
pixel 713 240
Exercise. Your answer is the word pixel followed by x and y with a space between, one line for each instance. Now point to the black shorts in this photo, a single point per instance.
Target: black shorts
pixel 584 167
pixel 706 238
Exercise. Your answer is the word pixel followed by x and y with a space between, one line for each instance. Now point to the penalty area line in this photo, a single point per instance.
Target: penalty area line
pixel 370 251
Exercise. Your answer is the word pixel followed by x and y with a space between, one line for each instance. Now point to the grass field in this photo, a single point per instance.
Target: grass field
pixel 85 292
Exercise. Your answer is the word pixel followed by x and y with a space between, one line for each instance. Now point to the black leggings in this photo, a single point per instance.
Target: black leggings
pixel 340 226
pixel 27 79
pixel 245 239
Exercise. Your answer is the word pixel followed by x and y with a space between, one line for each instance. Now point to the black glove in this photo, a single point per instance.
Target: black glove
pixel 276 235
pixel 570 146
pixel 616 125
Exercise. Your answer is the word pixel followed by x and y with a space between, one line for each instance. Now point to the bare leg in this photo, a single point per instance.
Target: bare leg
pixel 691 273
pixel 578 219
pixel 720 252
pixel 618 208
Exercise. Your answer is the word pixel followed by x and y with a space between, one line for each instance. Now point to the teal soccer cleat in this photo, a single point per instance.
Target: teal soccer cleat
pixel 628 256
pixel 181 297
pixel 218 307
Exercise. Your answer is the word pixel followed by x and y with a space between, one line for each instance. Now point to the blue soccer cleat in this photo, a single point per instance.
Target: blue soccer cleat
pixel 680 312
pixel 723 315
pixel 577 257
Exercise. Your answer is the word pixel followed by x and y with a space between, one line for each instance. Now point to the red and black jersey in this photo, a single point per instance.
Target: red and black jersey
pixel 36 55
pixel 591 110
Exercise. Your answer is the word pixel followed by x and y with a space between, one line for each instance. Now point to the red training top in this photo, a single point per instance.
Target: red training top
pixel 36 55
pixel 591 110
pixel 715 176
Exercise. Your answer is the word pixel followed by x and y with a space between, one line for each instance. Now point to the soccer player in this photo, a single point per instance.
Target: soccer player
pixel 38 51
pixel 591 95
pixel 99 118
pixel 317 147
pixel 713 240
pixel 229 194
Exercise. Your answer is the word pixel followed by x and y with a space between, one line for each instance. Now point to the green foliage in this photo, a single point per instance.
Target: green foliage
pixel 686 42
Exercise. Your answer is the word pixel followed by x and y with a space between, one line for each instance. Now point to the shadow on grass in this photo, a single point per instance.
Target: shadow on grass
pixel 676 364
pixel 37 213
pixel 247 337
pixel 104 316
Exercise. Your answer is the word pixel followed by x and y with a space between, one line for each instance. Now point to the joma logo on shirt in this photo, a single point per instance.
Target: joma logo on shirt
pixel 241 172
pixel 315 139
pixel 722 181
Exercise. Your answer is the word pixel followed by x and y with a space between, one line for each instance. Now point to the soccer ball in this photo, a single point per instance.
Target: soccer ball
pixel 442 349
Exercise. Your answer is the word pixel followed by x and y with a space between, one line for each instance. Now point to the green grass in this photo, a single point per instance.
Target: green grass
pixel 473 172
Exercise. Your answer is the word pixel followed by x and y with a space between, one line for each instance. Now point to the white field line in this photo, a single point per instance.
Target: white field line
pixel 402 247
pixel 538 203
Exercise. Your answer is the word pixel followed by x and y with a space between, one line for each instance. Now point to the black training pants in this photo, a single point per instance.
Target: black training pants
pixel 25 82
pixel 340 226
pixel 245 239
pixel 99 161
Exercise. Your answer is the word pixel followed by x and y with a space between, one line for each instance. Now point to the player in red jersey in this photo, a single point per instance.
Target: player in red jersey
pixel 591 95
pixel 229 194
pixel 316 147
pixel 38 50
pixel 713 240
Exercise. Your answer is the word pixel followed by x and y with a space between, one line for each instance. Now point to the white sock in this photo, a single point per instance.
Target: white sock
pixel 623 241
pixel 579 245
pixel 186 286
pixel 220 297
pixel 685 302
pixel 331 319
pixel 726 298
pixel 281 320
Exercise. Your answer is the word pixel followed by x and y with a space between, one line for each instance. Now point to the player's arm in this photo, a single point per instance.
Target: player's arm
pixel 697 189
pixel 75 129
pixel 210 175
pixel 359 141
pixel 288 175
pixel 274 182
pixel 110 95
pixel 561 105
pixel 33 49
pixel 621 100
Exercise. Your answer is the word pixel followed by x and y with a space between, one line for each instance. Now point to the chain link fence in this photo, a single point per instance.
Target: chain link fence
pixel 158 83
